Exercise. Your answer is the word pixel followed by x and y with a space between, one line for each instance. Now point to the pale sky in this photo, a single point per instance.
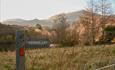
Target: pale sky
pixel 41 9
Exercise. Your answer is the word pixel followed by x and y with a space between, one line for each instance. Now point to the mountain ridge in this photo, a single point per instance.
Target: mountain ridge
pixel 72 16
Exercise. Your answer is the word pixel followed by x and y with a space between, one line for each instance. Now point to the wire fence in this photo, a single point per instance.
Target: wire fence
pixel 105 67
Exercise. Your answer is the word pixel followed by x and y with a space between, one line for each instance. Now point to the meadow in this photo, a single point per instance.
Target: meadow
pixel 68 58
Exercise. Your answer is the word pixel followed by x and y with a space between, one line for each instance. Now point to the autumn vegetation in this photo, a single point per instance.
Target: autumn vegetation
pixel 91 29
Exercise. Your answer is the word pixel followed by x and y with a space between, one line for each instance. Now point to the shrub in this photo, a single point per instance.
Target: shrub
pixel 109 34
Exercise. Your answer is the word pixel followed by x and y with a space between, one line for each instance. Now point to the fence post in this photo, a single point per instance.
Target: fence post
pixel 20 54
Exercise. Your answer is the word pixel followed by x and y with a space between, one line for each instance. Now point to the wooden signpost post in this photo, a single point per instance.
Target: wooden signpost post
pixel 20 53
pixel 22 43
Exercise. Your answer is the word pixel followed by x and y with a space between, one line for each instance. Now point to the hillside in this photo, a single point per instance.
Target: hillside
pixel 9 28
pixel 6 29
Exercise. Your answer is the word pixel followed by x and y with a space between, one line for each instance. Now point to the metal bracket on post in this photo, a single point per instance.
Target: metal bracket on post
pixel 20 53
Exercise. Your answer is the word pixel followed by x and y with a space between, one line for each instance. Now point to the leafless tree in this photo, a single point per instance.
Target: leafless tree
pixel 105 10
pixel 92 14
pixel 60 25
pixel 88 19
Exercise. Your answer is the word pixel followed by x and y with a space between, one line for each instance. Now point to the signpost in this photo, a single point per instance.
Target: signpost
pixel 20 54
pixel 22 43
pixel 38 43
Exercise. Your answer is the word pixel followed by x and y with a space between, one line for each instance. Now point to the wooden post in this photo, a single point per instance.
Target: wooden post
pixel 20 54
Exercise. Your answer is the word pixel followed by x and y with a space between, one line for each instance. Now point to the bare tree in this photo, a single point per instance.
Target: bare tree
pixel 114 6
pixel 105 10
pixel 60 25
pixel 92 14
pixel 88 19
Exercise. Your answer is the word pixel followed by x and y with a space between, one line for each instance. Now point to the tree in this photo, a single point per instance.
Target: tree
pixel 96 10
pixel 60 25
pixel 85 34
pixel 109 34
pixel 38 26
pixel 92 24
pixel 105 10
pixel 88 20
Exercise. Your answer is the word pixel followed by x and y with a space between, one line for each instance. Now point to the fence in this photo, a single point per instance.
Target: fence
pixel 105 67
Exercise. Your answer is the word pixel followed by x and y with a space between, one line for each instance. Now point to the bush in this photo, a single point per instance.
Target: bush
pixel 109 34
pixel 60 27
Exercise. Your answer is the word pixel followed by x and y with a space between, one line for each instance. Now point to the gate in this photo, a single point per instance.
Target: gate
pixel 23 42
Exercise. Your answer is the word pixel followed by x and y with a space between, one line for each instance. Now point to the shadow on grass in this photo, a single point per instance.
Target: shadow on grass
pixel 7 47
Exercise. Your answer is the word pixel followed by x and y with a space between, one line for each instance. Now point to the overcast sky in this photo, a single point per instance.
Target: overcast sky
pixel 41 9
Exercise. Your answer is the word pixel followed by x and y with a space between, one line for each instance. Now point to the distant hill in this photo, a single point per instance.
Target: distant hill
pixel 46 22
pixel 71 17
pixel 22 22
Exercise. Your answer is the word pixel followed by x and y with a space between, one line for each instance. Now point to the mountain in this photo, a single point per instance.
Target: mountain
pixel 22 22
pixel 46 22
pixel 73 16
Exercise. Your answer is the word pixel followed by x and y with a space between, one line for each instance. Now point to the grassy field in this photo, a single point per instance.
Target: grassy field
pixel 70 58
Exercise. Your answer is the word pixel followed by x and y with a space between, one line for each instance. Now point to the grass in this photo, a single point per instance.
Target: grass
pixel 70 58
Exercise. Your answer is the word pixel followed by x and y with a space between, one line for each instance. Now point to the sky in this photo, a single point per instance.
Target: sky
pixel 40 9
